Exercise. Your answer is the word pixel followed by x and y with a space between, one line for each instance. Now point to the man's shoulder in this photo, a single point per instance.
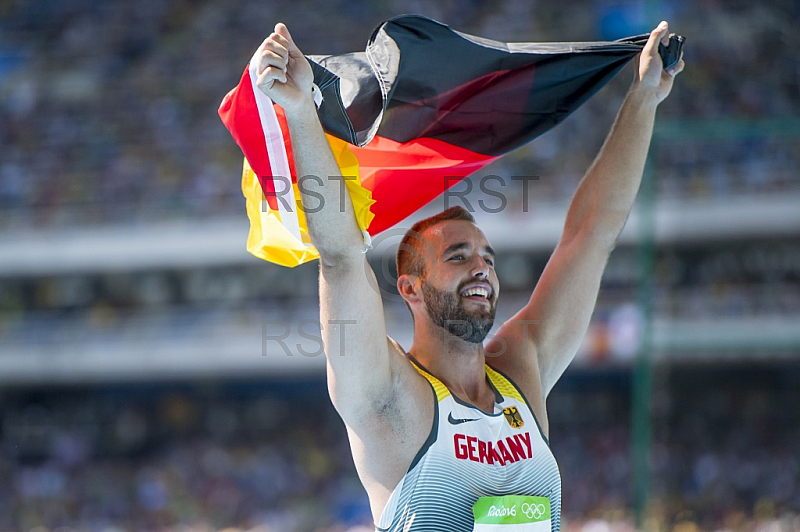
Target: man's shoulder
pixel 512 347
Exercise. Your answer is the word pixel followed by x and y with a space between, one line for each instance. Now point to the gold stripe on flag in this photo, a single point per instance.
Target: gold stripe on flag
pixel 270 239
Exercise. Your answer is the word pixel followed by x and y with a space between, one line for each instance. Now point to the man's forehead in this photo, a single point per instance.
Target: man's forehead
pixel 451 232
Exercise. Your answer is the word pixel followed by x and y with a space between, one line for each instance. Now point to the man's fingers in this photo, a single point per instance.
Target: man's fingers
pixel 274 46
pixel 280 39
pixel 269 76
pixel 271 59
pixel 283 31
pixel 677 69
pixel 275 57
pixel 664 32
pixel 272 53
pixel 659 34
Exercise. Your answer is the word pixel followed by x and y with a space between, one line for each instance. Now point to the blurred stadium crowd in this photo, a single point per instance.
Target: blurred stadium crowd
pixel 108 118
pixel 108 108
pixel 272 456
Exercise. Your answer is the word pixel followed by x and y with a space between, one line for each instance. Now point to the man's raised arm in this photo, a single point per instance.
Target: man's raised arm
pixel 286 77
pixel 361 361
pixel 565 297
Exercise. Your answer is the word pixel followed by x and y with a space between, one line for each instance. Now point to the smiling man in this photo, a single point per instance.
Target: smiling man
pixel 441 436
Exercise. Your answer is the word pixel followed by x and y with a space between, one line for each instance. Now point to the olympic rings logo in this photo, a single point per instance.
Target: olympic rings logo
pixel 533 511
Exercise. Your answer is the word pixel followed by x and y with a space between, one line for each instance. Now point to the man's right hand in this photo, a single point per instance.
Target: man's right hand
pixel 284 73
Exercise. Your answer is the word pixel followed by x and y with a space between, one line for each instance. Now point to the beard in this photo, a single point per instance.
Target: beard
pixel 446 310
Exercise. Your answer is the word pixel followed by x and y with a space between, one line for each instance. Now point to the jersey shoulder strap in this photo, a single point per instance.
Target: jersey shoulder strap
pixel 499 381
pixel 503 385
pixel 438 387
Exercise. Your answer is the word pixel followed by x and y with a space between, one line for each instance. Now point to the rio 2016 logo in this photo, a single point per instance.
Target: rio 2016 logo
pixel 533 511
pixel 502 511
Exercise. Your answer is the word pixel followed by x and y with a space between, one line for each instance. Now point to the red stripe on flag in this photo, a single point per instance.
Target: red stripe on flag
pixel 287 141
pixel 406 176
pixel 239 113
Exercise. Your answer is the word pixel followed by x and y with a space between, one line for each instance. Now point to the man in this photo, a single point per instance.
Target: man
pixel 442 439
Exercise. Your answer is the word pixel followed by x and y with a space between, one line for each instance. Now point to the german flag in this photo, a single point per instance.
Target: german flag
pixel 420 109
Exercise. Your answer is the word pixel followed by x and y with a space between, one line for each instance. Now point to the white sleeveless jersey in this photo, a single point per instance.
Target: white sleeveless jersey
pixel 470 461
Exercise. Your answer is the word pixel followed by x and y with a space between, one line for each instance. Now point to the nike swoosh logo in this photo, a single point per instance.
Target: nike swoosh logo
pixel 454 421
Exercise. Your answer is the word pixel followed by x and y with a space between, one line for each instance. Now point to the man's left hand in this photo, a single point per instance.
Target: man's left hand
pixel 650 77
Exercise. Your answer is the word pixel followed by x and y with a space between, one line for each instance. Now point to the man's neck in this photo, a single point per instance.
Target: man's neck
pixel 458 364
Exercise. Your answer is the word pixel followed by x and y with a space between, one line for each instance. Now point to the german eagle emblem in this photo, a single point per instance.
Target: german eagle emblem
pixel 513 417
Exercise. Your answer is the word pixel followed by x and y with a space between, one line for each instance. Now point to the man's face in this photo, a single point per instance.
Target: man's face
pixel 461 288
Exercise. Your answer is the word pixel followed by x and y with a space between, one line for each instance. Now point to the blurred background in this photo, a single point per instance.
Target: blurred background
pixel 141 389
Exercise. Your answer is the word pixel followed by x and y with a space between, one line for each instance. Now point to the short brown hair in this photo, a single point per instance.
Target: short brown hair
pixel 410 252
